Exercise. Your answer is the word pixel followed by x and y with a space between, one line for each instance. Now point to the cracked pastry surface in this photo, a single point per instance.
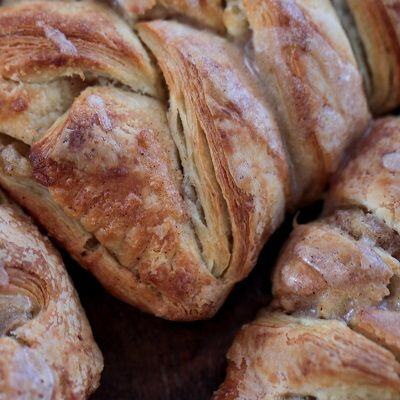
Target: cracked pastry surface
pixel 47 347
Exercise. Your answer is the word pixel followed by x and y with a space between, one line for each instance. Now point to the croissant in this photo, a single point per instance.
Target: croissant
pixel 302 54
pixel 338 279
pixel 47 348
pixel 373 27
pixel 163 157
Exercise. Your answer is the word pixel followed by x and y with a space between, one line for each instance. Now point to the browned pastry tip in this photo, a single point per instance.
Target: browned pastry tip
pixel 304 58
pixel 283 357
pixel 326 271
pixel 46 345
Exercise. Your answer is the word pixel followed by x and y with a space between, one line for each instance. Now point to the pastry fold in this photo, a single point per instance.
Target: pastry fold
pixel 225 135
pixel 126 218
pixel 47 348
pixel 43 41
pixel 344 267
pixel 163 208
pixel 165 212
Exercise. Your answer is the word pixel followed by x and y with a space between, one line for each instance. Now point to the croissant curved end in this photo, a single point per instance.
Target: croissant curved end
pixel 47 347
pixel 279 356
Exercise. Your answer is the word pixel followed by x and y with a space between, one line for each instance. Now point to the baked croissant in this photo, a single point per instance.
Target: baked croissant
pixel 302 54
pixel 339 280
pixel 46 345
pixel 169 208
pixel 372 26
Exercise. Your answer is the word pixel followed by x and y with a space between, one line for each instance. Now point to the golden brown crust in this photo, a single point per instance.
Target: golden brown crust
pixel 142 207
pixel 344 266
pixel 371 179
pixel 306 62
pixel 282 357
pixel 173 229
pixel 325 272
pixel 167 224
pixel 347 264
pixel 225 120
pixel 47 346
pixel 41 41
pixel 129 200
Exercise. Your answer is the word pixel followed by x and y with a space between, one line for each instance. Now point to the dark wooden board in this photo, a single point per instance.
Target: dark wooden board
pixel 147 358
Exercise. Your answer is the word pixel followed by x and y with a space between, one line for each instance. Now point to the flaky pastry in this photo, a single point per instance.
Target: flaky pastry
pixel 46 345
pixel 339 279
pixel 162 153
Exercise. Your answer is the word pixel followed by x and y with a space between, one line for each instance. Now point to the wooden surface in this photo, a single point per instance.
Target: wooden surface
pixel 147 358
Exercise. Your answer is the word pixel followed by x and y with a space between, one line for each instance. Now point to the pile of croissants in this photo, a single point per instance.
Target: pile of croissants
pixel 161 142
